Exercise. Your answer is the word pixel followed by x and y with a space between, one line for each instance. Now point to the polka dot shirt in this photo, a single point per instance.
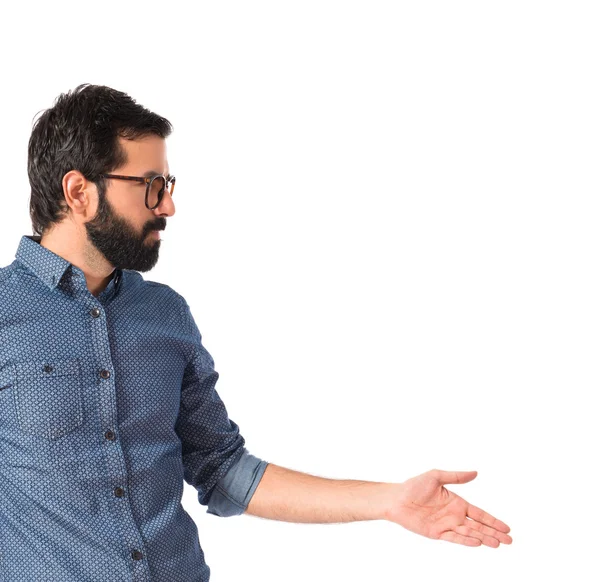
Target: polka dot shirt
pixel 107 404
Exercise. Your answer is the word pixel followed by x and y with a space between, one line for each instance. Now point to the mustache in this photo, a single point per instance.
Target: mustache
pixel 160 226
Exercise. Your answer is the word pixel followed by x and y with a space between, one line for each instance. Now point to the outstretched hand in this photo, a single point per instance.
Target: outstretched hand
pixel 424 506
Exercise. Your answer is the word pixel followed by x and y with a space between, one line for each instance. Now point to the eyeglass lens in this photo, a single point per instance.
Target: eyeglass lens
pixel 156 190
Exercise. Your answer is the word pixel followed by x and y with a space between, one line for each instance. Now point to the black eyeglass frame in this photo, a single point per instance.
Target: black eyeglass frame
pixel 169 180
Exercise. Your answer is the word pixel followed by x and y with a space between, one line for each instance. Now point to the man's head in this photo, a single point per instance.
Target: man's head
pixel 91 131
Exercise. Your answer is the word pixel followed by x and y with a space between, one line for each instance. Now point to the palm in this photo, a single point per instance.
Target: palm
pixel 424 506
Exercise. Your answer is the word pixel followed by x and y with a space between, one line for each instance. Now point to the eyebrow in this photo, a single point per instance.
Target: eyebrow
pixel 151 173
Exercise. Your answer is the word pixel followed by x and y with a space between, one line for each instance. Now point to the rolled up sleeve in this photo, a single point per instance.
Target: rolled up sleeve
pixel 234 491
pixel 214 458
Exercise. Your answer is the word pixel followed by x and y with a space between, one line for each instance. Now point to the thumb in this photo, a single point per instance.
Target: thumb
pixel 454 476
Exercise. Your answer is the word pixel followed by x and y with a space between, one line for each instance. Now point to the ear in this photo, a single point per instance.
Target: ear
pixel 80 194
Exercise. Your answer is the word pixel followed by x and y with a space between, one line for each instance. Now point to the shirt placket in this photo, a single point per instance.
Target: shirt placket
pixel 113 450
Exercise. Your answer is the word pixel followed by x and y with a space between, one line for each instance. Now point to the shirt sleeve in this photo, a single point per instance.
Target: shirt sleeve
pixel 214 458
pixel 233 492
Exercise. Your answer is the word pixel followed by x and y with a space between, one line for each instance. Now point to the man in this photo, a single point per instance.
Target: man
pixel 107 394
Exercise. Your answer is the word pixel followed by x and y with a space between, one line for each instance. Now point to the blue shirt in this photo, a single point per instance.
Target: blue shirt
pixel 107 404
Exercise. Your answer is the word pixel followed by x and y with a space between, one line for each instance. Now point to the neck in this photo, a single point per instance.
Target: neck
pixel 70 245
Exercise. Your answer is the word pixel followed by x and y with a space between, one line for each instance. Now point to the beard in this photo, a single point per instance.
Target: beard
pixel 118 241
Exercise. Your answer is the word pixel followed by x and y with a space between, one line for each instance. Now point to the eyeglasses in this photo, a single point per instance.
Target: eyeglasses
pixel 155 186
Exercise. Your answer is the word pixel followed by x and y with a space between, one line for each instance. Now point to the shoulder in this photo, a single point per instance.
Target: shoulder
pixel 158 291
pixel 6 273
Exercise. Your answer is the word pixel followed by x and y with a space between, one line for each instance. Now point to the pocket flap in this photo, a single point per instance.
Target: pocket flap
pixel 46 368
pixel 7 376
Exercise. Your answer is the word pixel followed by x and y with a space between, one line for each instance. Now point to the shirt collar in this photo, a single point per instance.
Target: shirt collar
pixel 48 266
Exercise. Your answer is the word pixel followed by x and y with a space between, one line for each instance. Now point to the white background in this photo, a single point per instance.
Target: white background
pixel 386 228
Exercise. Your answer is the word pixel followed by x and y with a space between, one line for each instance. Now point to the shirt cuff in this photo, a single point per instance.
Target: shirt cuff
pixel 234 490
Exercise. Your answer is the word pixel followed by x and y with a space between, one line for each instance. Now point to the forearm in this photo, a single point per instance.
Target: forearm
pixel 287 495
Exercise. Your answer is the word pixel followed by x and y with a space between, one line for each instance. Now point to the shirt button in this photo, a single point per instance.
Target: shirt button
pixel 110 435
pixel 95 312
pixel 48 368
pixel 119 491
pixel 136 555
pixel 105 374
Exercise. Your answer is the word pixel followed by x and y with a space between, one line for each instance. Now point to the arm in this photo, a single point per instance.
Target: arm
pixel 287 495
pixel 215 460
pixel 421 504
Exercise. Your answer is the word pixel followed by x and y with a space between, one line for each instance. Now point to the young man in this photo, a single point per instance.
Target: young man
pixel 107 395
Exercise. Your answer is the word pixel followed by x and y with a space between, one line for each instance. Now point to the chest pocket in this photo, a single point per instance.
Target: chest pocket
pixel 7 376
pixel 47 397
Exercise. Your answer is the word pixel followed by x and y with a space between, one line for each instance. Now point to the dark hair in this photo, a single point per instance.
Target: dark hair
pixel 80 132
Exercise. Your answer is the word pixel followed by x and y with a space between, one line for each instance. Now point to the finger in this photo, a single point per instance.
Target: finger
pixel 486 540
pixel 489 531
pixel 454 476
pixel 478 514
pixel 455 538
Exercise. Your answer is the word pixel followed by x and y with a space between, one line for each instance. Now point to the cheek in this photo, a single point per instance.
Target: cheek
pixel 131 207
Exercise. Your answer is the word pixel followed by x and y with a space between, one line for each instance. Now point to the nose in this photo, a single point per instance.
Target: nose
pixel 166 206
